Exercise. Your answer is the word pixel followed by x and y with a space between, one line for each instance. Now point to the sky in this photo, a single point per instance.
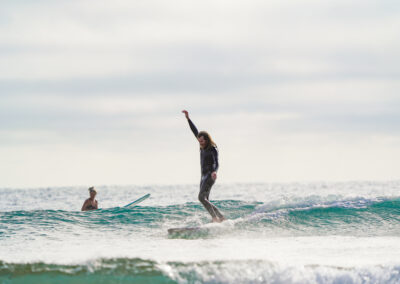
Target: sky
pixel 91 92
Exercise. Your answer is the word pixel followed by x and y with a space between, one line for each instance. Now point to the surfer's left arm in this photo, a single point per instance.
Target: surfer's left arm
pixel 191 124
pixel 84 205
pixel 214 152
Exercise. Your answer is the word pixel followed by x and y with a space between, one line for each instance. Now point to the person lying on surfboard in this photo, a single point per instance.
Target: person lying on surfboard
pixel 209 167
pixel 90 203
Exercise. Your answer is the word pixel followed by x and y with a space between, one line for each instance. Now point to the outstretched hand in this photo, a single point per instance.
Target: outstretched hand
pixel 186 113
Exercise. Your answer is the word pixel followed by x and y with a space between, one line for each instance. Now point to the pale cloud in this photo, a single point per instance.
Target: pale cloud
pixel 91 91
pixel 50 40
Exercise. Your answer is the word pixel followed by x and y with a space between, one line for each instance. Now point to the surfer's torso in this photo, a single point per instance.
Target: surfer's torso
pixel 209 160
pixel 91 204
pixel 208 156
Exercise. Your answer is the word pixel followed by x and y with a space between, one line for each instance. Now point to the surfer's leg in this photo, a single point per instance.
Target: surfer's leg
pixel 205 188
pixel 215 209
pixel 203 197
pixel 219 215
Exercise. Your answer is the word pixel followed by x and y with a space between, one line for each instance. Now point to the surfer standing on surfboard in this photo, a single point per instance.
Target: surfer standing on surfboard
pixel 90 203
pixel 209 167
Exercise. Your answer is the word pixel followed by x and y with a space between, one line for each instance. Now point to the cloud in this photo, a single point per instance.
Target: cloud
pixel 290 90
pixel 86 39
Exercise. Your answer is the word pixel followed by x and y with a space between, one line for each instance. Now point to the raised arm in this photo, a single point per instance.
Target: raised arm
pixel 191 124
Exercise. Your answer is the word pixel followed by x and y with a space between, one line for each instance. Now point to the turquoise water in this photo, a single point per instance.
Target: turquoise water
pixel 276 233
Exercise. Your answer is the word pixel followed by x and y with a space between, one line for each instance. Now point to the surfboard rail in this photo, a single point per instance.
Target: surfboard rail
pixel 183 230
pixel 137 201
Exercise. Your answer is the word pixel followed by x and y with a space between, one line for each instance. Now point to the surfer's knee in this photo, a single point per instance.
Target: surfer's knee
pixel 202 197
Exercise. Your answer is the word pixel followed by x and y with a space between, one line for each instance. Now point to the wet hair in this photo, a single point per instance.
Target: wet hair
pixel 92 189
pixel 207 137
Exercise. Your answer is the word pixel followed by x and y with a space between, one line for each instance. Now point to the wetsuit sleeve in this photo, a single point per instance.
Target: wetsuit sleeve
pixel 215 158
pixel 193 128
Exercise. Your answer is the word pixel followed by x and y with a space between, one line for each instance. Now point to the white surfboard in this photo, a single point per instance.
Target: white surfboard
pixel 174 231
pixel 137 201
pixel 209 228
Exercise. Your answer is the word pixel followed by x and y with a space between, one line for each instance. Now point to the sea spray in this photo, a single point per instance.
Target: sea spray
pixel 275 233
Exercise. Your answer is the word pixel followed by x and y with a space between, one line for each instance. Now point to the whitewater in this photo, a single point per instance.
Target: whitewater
pixel 317 232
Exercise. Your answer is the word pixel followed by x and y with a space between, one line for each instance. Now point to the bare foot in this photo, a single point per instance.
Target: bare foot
pixel 215 220
pixel 222 219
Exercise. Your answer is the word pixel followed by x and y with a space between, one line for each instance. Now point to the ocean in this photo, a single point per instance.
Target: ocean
pixel 316 232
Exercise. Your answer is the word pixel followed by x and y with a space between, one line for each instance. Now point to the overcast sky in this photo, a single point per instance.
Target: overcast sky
pixel 91 91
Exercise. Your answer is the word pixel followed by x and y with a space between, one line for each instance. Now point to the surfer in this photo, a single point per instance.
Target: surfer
pixel 90 203
pixel 209 167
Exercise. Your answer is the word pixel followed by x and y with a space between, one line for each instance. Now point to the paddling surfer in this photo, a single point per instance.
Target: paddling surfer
pixel 209 167
pixel 90 203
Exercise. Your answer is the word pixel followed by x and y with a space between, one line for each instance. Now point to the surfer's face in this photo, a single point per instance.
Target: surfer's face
pixel 92 194
pixel 202 142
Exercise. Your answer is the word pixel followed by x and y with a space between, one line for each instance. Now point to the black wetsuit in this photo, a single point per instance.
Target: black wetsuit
pixel 209 164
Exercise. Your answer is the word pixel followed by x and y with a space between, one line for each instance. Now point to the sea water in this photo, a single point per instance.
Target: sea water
pixel 275 233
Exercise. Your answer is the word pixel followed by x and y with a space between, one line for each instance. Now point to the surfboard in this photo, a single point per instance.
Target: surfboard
pixel 137 201
pixel 173 231
pixel 202 230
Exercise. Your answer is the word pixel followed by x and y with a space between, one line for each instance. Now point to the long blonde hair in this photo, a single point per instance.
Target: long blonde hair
pixel 208 138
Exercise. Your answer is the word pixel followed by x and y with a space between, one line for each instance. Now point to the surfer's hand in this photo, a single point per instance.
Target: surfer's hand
pixel 214 175
pixel 186 113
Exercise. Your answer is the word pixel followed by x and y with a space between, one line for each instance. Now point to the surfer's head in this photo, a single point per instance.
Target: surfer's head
pixel 92 191
pixel 205 140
